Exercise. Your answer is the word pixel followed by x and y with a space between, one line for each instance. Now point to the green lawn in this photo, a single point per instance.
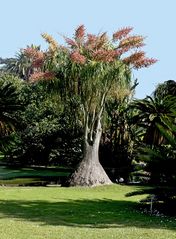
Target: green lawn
pixel 77 213
pixel 11 173
pixel 24 176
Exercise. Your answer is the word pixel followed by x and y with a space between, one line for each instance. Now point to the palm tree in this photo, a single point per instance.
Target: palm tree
pixel 161 163
pixel 9 104
pixel 157 115
pixel 150 113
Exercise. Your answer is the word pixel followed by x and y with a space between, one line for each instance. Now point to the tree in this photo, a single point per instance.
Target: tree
pixel 46 135
pixel 88 71
pixel 28 62
pixel 165 89
pixel 157 116
pixel 161 163
pixel 9 104
pixel 152 111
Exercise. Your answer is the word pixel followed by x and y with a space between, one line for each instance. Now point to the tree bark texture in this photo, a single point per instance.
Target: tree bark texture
pixel 90 172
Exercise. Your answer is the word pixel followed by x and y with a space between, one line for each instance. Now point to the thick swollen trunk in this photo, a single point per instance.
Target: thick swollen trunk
pixel 90 172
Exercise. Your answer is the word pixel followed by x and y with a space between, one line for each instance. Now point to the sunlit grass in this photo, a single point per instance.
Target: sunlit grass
pixel 76 213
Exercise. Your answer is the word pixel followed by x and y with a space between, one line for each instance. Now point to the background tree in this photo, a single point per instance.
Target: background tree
pixel 47 136
pixel 165 89
pixel 152 111
pixel 10 103
pixel 161 162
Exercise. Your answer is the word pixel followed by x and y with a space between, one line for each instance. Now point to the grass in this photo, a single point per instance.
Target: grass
pixel 78 213
pixel 35 175
pixel 11 173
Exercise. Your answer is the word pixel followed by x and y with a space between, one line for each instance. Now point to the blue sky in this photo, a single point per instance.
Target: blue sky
pixel 22 22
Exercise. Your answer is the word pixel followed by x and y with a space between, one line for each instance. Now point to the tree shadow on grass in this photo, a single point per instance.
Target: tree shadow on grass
pixel 83 213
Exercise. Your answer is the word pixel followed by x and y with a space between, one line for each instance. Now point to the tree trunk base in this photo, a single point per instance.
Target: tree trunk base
pixel 89 173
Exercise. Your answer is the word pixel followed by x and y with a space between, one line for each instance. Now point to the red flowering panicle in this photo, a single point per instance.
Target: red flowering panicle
pixel 145 62
pixel 91 39
pixel 94 42
pixel 38 62
pixel 91 42
pixel 122 33
pixel 138 60
pixel 132 42
pixel 100 48
pixel 41 76
pixel 121 51
pixel 77 57
pixel 30 52
pixel 137 56
pixel 102 41
pixel 104 55
pixel 80 33
pixel 35 55
pixel 71 42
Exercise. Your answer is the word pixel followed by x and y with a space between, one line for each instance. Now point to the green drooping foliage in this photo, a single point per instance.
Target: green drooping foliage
pixel 119 136
pixel 157 116
pixel 10 104
pixel 152 111
pixel 93 69
pixel 74 92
